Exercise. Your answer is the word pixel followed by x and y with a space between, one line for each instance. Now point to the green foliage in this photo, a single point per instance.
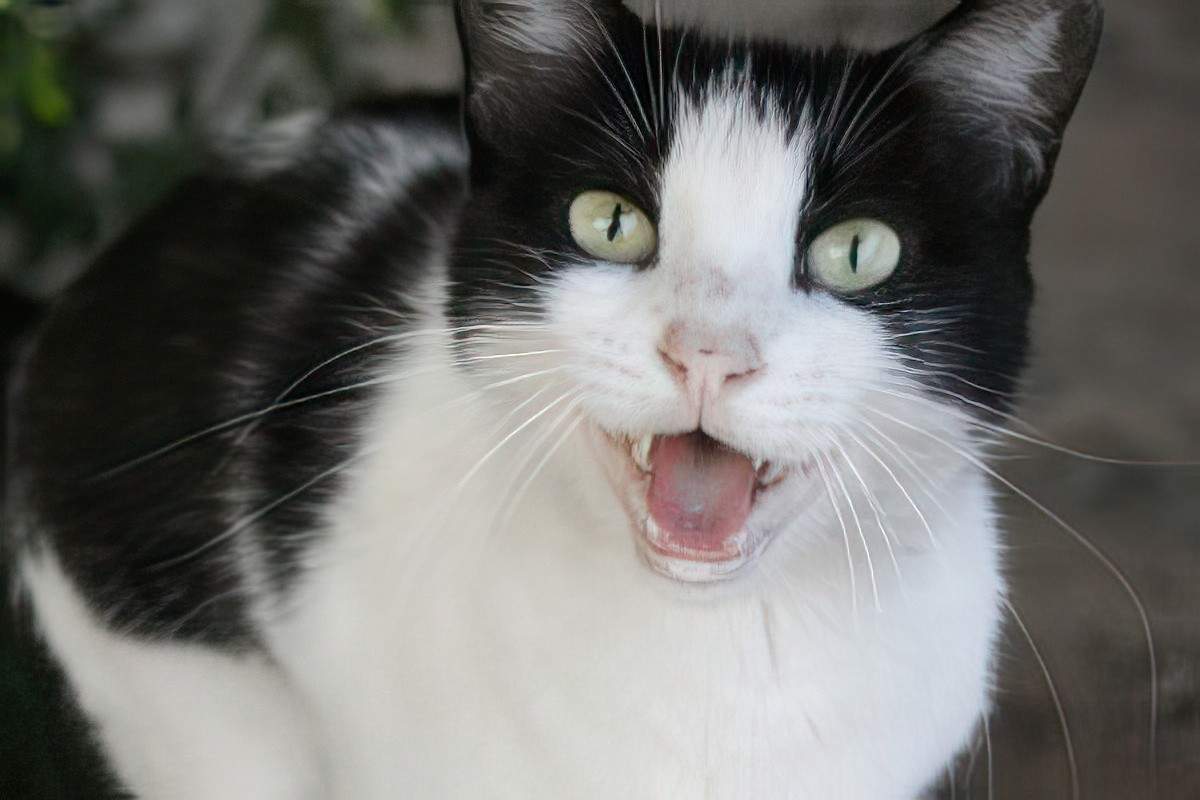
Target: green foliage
pixel 38 192
pixel 33 76
pixel 53 64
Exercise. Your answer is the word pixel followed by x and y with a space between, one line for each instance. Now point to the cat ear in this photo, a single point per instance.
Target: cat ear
pixel 519 52
pixel 1009 73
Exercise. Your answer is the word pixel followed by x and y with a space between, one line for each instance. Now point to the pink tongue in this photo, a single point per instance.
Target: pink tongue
pixel 700 491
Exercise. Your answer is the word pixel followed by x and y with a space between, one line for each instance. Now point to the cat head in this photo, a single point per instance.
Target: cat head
pixel 736 262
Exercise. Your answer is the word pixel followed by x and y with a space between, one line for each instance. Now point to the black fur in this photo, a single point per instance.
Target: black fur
pixel 963 220
pixel 208 309
pixel 213 305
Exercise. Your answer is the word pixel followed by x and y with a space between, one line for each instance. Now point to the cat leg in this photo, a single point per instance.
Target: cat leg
pixel 177 722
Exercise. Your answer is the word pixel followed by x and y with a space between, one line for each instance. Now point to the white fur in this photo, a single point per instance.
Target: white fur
pixel 178 721
pixel 476 621
pixel 543 660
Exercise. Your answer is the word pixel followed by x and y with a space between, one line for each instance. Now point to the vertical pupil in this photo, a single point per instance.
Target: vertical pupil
pixel 615 226
pixel 854 243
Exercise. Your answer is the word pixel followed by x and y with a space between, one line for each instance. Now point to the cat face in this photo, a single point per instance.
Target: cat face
pixel 737 262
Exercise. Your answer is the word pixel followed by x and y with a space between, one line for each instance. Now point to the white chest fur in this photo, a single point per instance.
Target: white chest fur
pixel 431 653
pixel 446 656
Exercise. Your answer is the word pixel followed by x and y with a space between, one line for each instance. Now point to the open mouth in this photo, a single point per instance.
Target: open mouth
pixel 698 498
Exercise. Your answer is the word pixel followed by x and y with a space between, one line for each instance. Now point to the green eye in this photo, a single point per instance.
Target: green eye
pixel 611 228
pixel 854 255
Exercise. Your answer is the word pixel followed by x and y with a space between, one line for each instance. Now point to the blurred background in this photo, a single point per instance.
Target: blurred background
pixel 104 104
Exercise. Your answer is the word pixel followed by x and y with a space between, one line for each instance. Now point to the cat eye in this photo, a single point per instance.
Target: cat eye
pixel 854 255
pixel 609 227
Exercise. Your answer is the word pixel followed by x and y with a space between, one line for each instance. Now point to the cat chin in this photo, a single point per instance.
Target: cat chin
pixel 783 492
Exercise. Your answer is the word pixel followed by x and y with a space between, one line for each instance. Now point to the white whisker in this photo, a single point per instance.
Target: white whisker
pixel 899 485
pixel 1088 545
pixel 514 501
pixel 258 513
pixel 873 503
pixel 837 476
pixel 488 455
pixel 1058 706
pixel 845 536
pixel 987 738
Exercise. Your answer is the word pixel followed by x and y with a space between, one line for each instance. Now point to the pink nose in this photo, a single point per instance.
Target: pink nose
pixel 705 358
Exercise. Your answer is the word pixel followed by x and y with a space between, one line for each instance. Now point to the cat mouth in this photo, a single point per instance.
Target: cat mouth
pixel 693 501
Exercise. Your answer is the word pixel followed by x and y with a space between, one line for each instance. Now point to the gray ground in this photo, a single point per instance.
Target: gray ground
pixel 1117 372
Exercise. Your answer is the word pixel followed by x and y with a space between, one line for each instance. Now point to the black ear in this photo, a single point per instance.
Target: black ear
pixel 1009 74
pixel 521 54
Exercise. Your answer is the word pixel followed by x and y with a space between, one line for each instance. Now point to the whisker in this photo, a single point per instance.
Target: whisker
pixel 662 92
pixel 512 412
pixel 972 762
pixel 875 146
pixel 1089 546
pixel 649 79
pixel 233 422
pixel 852 141
pixel 511 505
pixel 254 516
pixel 250 416
pixel 675 68
pixel 837 475
pixel 851 133
pixel 1058 706
pixel 488 455
pixel 624 69
pixel 603 76
pixel 899 485
pixel 944 370
pixel 845 535
pixel 875 508
pixel 999 429
pixel 612 135
pixel 891 448
pixel 249 429
pixel 987 738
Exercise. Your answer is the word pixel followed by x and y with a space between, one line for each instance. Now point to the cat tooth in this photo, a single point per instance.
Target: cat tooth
pixel 653 533
pixel 758 464
pixel 772 473
pixel 641 452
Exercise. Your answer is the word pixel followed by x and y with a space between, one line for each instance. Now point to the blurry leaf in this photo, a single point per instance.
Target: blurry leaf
pixel 145 172
pixel 397 14
pixel 49 20
pixel 10 133
pixel 62 184
pixel 307 25
pixel 48 99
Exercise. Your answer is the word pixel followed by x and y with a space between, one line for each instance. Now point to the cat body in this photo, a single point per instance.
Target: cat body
pixel 444 507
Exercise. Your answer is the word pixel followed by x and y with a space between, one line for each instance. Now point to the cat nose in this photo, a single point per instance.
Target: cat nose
pixel 705 358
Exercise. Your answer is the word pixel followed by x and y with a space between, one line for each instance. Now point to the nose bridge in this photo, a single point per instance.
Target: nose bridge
pixel 733 344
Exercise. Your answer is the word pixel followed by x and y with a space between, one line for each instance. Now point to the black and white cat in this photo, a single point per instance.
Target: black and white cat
pixel 628 446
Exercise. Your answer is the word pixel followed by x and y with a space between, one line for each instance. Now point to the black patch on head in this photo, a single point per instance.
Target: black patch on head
pixel 891 144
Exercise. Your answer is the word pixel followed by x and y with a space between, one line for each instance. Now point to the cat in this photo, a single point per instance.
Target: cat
pixel 617 430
